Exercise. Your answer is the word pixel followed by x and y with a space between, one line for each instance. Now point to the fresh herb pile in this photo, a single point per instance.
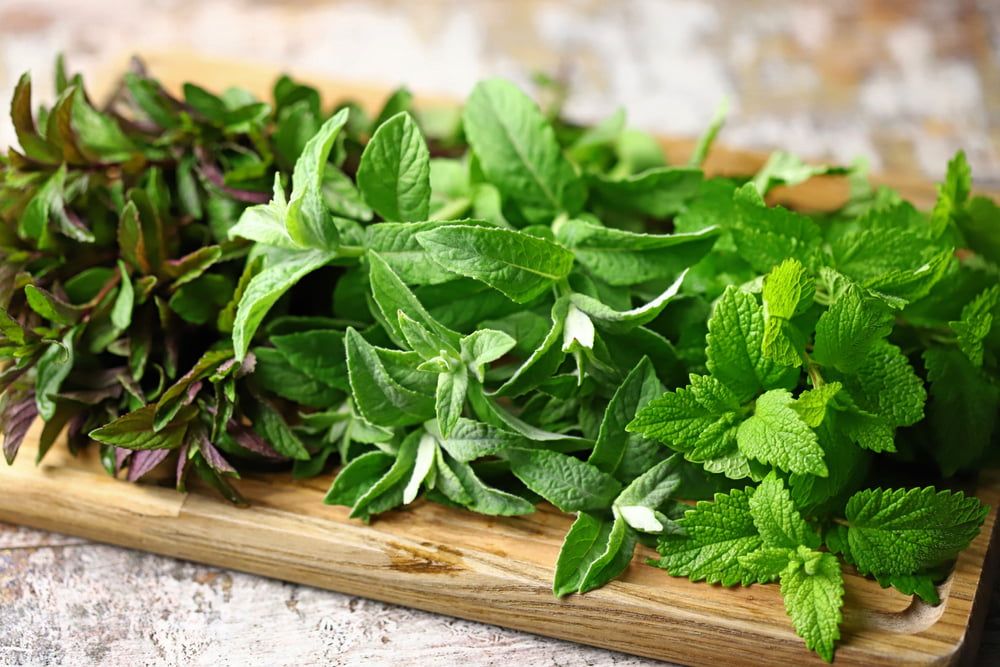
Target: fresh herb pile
pixel 490 307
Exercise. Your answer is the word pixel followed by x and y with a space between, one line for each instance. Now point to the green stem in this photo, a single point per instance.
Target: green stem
pixel 351 251
pixel 453 209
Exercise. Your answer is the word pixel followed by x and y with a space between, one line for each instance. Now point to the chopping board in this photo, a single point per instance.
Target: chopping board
pixel 492 569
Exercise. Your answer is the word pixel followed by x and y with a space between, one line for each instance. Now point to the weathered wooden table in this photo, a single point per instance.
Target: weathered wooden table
pixel 903 83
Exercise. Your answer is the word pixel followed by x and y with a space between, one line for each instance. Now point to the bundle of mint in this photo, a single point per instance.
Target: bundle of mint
pixel 489 307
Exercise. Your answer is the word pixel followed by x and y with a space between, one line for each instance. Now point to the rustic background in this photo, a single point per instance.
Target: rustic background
pixel 903 83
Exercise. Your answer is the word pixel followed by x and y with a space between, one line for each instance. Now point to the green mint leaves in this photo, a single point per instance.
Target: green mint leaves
pixel 540 312
pixel 394 174
pixel 518 151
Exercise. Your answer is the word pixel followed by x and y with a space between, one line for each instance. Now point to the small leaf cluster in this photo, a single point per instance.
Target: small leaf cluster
pixel 490 307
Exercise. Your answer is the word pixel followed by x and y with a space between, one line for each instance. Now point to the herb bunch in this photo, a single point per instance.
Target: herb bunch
pixel 494 307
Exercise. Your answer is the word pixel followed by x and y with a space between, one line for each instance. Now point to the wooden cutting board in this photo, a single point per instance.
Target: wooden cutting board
pixel 495 570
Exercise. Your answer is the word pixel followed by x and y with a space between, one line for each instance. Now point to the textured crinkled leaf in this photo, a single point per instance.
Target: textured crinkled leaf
pixel 777 519
pixel 700 421
pixel 977 320
pixel 846 466
pixel 848 330
pixel 788 291
pixel 766 236
pixel 886 385
pixel 813 592
pixel 735 352
pixel 952 194
pixel 902 531
pixel 963 411
pixel 776 434
pixel 716 535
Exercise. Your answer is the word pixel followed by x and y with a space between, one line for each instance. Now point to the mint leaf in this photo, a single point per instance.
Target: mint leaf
pixel 518 151
pixel 788 291
pixel 716 535
pixel 735 346
pixel 394 174
pixel 777 519
pixel 976 323
pixel 658 192
pixel 396 243
pixel 307 219
pixel 784 168
pixel 700 421
pixel 886 385
pixel 624 320
pixel 134 430
pixel 620 257
pixel 357 477
pixel 470 440
pixel 266 288
pixel 777 435
pixel 849 329
pixel 53 368
pixel 318 354
pixel 449 399
pixel 963 409
pixel 812 587
pixel 544 360
pixel 902 531
pixel 617 451
pixel 517 264
pixel 482 347
pixel 392 297
pixel 265 223
pixel 952 194
pixel 380 398
pixel 486 499
pixel 638 503
pixel 765 236
pixel 566 482
pixel 594 552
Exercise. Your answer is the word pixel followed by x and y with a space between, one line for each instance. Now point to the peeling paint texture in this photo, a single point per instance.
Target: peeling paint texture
pixel 904 84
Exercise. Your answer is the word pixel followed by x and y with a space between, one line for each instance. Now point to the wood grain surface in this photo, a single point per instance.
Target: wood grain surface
pixel 496 570
pixel 483 568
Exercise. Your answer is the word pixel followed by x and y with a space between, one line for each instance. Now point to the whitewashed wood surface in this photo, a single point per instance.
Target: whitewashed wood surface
pixel 67 601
